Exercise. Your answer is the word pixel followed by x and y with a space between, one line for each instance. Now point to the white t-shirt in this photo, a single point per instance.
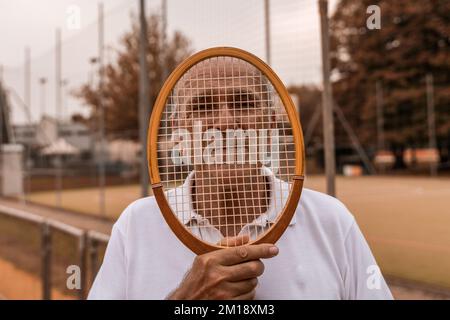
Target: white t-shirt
pixel 322 255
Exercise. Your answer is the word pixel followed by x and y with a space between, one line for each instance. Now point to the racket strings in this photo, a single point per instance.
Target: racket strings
pixel 225 122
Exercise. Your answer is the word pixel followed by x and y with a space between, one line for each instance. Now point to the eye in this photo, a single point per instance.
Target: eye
pixel 203 103
pixel 201 107
pixel 244 101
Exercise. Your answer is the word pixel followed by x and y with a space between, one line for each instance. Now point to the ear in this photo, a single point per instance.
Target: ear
pixel 174 122
pixel 272 118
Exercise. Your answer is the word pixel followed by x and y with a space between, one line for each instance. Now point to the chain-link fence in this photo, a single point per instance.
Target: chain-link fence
pixel 46 259
pixel 54 95
pixel 74 108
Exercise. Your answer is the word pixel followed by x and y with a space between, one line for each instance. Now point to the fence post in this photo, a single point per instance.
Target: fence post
pixel 46 260
pixel 93 244
pixel 83 265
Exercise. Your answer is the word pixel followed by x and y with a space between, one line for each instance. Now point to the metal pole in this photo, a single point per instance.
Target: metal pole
pixel 58 83
pixel 27 85
pixel 267 29
pixel 27 98
pixel 431 120
pixel 327 102
pixel 380 119
pixel 83 252
pixel 93 257
pixel 144 101
pixel 101 110
pixel 43 82
pixel 380 116
pixel 58 72
pixel 2 115
pixel 46 261
pixel 165 67
pixel 64 99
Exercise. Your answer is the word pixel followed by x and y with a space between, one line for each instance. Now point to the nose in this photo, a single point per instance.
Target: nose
pixel 226 118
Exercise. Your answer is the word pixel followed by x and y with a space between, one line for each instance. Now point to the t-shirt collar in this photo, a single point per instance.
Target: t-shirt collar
pixel 187 214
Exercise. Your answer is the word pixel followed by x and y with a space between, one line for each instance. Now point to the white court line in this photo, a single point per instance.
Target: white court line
pixel 416 191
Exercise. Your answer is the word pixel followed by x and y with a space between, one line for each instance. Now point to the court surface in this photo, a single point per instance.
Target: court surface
pixel 406 220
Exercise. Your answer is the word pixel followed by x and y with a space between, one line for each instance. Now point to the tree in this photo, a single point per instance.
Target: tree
pixel 121 78
pixel 412 42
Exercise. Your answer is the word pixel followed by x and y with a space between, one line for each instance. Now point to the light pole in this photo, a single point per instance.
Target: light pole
pixel 102 160
pixel 92 62
pixel 267 29
pixel 431 121
pixel 64 86
pixel 43 82
pixel 144 100
pixel 327 101
pixel 27 84
pixel 165 67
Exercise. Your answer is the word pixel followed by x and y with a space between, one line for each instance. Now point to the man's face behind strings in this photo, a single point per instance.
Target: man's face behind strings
pixel 228 95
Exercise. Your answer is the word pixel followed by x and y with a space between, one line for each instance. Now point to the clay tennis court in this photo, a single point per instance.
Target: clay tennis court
pixel 405 219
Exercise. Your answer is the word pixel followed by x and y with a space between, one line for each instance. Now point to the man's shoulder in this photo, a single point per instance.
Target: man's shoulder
pixel 139 211
pixel 328 211
pixel 313 197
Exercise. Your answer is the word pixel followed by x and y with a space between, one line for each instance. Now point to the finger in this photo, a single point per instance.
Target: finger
pixel 231 256
pixel 246 296
pixel 245 270
pixel 241 287
pixel 234 241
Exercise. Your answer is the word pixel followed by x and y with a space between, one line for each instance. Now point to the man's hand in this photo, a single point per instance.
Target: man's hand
pixel 230 273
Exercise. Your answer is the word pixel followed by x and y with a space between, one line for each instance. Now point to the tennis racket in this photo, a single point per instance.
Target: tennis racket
pixel 225 151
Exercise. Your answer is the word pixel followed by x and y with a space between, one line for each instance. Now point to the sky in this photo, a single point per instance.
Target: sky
pixel 295 41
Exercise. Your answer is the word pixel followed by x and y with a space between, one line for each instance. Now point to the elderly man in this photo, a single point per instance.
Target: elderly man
pixel 225 128
pixel 321 255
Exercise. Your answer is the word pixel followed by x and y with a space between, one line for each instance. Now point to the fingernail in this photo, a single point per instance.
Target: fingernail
pixel 273 250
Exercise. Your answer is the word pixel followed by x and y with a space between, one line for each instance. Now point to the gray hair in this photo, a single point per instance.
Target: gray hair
pixel 212 67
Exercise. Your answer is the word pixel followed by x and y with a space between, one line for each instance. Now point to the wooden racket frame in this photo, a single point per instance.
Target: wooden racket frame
pixel 276 230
